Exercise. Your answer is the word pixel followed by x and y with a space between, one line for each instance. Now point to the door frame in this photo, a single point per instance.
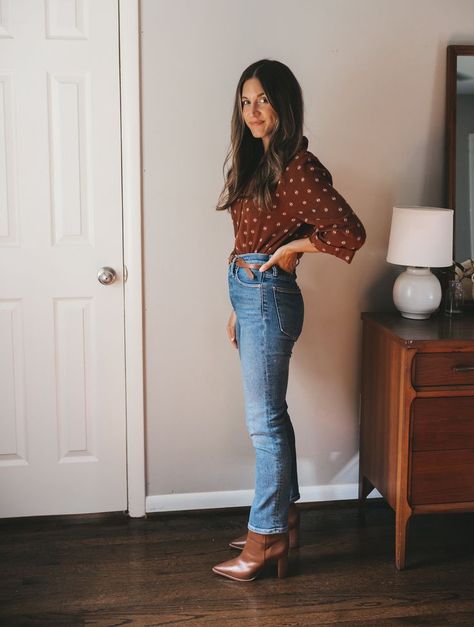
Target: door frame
pixel 129 55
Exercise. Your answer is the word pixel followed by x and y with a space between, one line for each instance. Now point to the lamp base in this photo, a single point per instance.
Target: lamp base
pixel 417 293
pixel 414 316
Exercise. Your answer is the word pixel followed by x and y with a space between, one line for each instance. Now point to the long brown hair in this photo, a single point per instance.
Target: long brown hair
pixel 252 172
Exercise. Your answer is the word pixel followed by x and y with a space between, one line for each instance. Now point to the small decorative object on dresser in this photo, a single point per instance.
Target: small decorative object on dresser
pixel 464 272
pixel 417 416
pixel 453 298
pixel 420 238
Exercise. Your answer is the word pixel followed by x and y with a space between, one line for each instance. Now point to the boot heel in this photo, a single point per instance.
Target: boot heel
pixel 294 536
pixel 282 567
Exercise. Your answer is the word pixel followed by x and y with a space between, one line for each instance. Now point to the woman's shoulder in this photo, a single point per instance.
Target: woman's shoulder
pixel 306 160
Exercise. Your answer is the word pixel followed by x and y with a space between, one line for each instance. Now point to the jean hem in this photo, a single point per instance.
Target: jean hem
pixel 268 531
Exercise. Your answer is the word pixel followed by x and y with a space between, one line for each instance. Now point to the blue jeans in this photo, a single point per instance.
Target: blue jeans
pixel 270 312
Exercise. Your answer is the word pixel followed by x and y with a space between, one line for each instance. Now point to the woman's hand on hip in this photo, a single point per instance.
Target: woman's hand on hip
pixel 231 329
pixel 283 257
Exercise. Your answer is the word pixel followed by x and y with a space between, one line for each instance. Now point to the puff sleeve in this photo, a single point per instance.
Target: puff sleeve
pixel 308 195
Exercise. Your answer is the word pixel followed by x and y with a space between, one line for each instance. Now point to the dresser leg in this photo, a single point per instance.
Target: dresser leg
pixel 402 517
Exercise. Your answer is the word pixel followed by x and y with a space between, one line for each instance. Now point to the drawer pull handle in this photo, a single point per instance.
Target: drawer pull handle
pixel 463 368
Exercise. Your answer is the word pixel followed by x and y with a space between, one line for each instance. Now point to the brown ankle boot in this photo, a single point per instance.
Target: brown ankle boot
pixel 293 530
pixel 259 550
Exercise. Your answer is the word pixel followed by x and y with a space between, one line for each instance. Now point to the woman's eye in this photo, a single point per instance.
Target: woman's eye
pixel 262 100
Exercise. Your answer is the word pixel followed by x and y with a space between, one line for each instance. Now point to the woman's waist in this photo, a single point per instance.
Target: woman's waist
pixel 250 257
pixel 245 268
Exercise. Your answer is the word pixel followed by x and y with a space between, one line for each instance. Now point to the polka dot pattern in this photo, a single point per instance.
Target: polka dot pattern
pixel 323 216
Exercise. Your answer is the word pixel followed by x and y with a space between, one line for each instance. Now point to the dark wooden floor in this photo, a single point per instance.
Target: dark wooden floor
pixel 108 569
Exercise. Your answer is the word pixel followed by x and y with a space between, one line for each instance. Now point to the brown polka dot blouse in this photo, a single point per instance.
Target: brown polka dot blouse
pixel 305 204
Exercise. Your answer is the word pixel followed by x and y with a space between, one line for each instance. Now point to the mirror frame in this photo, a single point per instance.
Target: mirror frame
pixel 453 52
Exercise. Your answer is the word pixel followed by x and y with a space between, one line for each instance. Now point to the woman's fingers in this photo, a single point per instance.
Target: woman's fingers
pixel 283 258
pixel 231 329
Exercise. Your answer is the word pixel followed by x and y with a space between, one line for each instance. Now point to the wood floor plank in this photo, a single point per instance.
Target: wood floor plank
pixel 108 569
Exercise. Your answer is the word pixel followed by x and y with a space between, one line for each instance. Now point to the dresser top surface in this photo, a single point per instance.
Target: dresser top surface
pixel 437 327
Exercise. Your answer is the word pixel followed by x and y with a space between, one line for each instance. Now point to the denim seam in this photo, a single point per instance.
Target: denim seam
pixel 278 464
pixel 262 348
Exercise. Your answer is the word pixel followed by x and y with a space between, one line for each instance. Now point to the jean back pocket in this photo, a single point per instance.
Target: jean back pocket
pixel 290 310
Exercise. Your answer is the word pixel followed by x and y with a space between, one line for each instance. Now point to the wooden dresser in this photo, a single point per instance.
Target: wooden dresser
pixel 417 416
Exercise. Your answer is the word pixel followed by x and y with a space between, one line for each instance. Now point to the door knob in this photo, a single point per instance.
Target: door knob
pixel 106 275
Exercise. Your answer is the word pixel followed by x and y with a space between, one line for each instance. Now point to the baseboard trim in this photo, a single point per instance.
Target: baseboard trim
pixel 243 498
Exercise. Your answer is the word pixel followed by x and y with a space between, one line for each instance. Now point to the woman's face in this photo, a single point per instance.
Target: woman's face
pixel 258 113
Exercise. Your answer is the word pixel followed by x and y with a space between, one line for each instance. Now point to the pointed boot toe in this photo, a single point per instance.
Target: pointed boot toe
pixel 234 569
pixel 259 550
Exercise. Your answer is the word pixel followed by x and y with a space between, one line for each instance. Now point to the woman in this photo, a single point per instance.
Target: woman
pixel 282 204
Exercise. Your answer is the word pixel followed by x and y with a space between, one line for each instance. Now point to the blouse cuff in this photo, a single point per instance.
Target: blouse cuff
pixel 338 251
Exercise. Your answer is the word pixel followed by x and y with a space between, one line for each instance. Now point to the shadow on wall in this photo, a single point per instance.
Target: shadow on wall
pixel 379 293
pixel 348 471
pixel 326 370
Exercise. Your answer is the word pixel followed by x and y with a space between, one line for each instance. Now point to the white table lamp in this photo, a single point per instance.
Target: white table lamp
pixel 420 238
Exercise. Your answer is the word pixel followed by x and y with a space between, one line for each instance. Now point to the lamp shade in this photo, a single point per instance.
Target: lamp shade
pixel 421 236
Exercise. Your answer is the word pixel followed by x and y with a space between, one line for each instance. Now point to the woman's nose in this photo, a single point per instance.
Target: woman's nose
pixel 255 108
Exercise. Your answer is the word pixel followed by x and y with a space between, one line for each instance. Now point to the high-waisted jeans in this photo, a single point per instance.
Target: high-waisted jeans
pixel 270 312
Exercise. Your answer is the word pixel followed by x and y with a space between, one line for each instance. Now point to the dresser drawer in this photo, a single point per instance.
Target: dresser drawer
pixel 443 423
pixel 442 477
pixel 443 369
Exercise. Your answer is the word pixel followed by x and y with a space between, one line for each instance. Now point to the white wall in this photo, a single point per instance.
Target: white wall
pixel 373 76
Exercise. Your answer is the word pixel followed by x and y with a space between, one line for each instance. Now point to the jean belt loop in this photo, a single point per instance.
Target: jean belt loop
pixel 275 270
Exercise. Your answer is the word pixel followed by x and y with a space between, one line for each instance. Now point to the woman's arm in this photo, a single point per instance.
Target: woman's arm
pixel 306 195
pixel 303 245
pixel 287 255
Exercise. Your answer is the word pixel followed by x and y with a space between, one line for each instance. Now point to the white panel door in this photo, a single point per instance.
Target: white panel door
pixel 62 362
